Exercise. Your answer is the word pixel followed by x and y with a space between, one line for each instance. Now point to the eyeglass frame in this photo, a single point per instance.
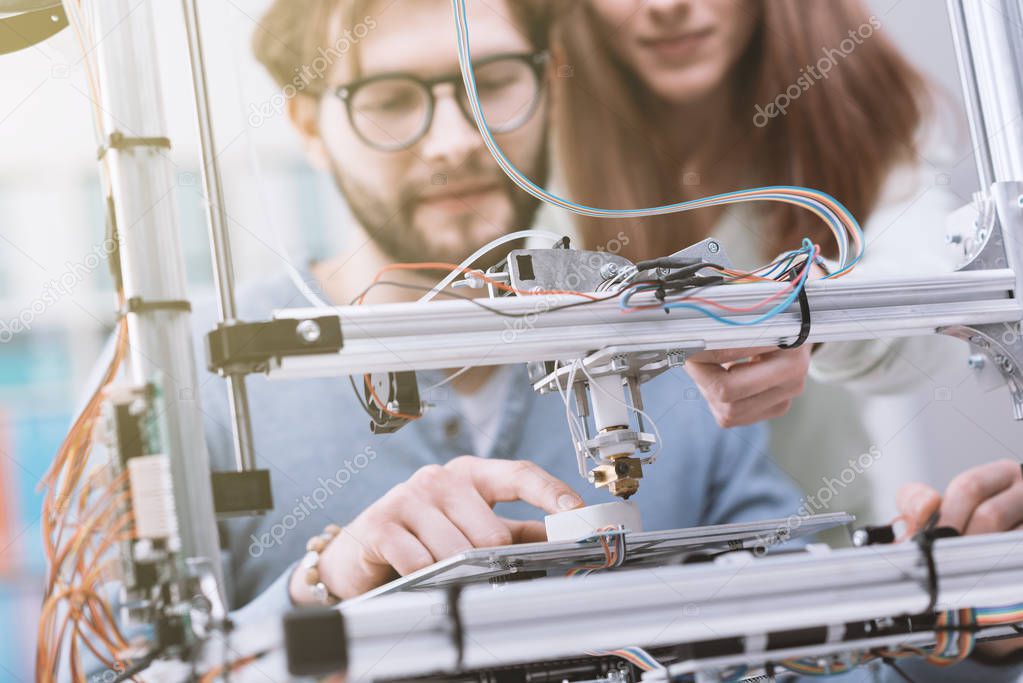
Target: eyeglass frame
pixel 346 92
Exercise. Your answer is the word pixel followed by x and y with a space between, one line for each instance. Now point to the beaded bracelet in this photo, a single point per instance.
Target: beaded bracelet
pixel 310 564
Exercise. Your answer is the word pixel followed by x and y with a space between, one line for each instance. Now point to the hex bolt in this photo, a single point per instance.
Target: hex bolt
pixel 608 270
pixel 309 331
pixel 676 359
pixel 713 247
pixel 619 364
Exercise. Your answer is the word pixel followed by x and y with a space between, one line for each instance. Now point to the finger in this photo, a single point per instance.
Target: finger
pixel 764 406
pixel 916 503
pixel 435 531
pixel 529 531
pixel 728 355
pixel 505 481
pixel 475 519
pixel 747 380
pixel 403 551
pixel 971 488
pixel 999 513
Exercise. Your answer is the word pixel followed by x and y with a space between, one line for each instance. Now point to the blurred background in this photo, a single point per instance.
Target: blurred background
pixel 51 220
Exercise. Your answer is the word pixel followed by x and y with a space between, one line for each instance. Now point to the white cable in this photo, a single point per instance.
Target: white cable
pixel 575 427
pixel 653 423
pixel 483 251
pixel 274 229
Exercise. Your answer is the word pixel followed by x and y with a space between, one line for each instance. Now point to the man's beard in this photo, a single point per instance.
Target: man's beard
pixel 390 223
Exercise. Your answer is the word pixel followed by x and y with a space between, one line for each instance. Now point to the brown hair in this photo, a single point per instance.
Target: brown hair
pixel 843 134
pixel 293 33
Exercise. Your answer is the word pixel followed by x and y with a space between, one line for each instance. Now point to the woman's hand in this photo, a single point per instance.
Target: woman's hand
pixel 742 393
pixel 981 500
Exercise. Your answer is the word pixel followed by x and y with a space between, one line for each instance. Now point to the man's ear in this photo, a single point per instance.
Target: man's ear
pixel 304 114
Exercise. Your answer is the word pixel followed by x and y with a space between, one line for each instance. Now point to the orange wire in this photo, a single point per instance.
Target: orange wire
pixel 477 274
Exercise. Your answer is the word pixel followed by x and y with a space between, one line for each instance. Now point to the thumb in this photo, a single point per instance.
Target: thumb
pixel 916 503
pixel 530 531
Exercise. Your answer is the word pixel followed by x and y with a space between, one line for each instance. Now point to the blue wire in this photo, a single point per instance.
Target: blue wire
pixel 808 248
pixel 463 46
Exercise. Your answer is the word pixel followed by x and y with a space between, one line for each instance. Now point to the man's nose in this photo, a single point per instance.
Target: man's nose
pixel 451 138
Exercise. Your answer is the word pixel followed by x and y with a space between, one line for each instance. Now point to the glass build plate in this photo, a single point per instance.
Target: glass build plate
pixel 532 560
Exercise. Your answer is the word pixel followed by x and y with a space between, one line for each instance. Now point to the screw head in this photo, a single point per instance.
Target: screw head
pixel 976 361
pixel 713 247
pixel 608 270
pixel 308 330
pixel 676 359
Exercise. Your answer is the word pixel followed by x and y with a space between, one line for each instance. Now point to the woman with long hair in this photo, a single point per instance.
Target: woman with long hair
pixel 661 101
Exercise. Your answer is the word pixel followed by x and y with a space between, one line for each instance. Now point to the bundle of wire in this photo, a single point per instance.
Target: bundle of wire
pixel 83 518
pixel 612 540
pixel 792 268
pixel 843 225
pixel 955 640
pixel 637 656
pixel 84 511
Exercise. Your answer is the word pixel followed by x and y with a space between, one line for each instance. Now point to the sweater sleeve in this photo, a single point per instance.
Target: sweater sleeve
pixel 904 237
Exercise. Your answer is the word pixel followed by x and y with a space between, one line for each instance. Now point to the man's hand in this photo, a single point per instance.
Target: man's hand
pixel 743 393
pixel 982 500
pixel 439 512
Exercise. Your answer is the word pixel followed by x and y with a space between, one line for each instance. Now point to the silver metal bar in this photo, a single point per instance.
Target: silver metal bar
pixel 737 596
pixel 391 337
pixel 994 31
pixel 151 258
pixel 971 93
pixel 220 237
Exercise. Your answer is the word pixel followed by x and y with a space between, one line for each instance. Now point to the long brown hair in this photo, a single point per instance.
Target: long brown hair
pixel 841 134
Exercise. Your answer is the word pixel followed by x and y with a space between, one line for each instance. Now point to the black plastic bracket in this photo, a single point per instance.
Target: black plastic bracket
pixel 315 642
pixel 245 348
pixel 241 494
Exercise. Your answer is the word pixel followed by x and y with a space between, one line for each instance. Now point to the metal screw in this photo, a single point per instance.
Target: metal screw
pixel 308 330
pixel 676 359
pixel 608 270
pixel 976 361
pixel 953 239
pixel 713 247
pixel 619 364
pixel 663 272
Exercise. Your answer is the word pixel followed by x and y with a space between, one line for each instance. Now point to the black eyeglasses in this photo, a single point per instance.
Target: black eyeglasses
pixel 392 112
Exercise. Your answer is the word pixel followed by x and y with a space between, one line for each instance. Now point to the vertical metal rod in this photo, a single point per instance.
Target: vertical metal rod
pixel 220 239
pixel 142 183
pixel 971 93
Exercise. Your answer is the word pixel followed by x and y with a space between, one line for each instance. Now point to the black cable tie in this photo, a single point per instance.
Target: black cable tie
pixel 925 541
pixel 454 594
pixel 137 304
pixel 120 141
pixel 804 314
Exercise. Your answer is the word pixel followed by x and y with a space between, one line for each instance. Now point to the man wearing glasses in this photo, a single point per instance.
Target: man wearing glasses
pixel 389 120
